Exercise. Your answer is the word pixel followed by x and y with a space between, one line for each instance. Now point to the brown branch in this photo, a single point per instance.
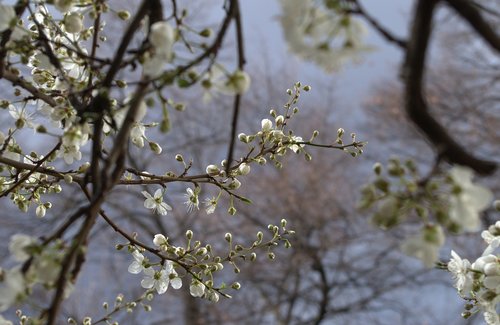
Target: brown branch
pixel 472 15
pixel 23 83
pixel 33 170
pixel 415 104
pixel 378 27
pixel 237 98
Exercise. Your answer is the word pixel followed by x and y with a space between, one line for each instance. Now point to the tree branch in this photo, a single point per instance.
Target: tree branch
pixel 415 104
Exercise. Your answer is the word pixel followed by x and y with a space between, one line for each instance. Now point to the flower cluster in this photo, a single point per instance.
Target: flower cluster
pixel 479 282
pixel 40 265
pixel 198 262
pixel 450 201
pixel 326 36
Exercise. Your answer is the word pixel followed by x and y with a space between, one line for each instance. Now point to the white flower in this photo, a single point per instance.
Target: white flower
pixel 470 200
pixel 460 269
pixel 137 135
pixel 212 170
pixel 158 280
pixel 244 169
pixel 156 203
pixel 40 211
pixel 21 116
pixel 73 23
pixel 12 286
pixel 491 317
pixel 295 147
pixel 235 84
pixel 160 240
pixel 70 153
pixel 7 15
pixel 162 37
pixel 267 125
pixel 192 200
pixel 18 245
pixel 63 5
pixel 425 246
pixel 197 289
pixel 211 204
pixel 137 266
pixel 212 296
pixel 323 37
pixel 492 238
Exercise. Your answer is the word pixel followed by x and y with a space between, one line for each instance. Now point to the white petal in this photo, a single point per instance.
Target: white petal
pixel 176 283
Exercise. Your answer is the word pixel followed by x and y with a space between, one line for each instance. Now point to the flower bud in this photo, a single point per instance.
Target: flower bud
pixel 279 120
pixel 235 184
pixel 244 169
pixel 73 23
pixel 307 88
pixel 189 234
pixel 267 125
pixel 124 14
pixel 40 211
pixel 228 237
pixel 155 147
pixel 179 157
pixel 213 170
pixel 236 286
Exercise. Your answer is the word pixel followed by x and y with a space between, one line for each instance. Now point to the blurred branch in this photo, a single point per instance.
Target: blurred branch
pixel 237 98
pixel 416 106
pixel 473 16
pixel 375 24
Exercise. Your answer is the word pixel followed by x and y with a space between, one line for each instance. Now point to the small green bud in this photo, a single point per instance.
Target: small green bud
pixel 236 286
pixel 206 32
pixel 283 223
pixel 121 84
pixel 124 15
pixel 228 237
pixel 253 257
pixel 271 256
pixel 496 205
pixel 179 158
pixel 189 234
pixel 155 147
pixel 377 168
pixel 231 211
pixel 307 88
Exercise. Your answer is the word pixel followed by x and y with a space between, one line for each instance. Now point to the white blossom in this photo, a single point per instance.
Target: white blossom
pixel 162 37
pixel 137 265
pixel 197 289
pixel 210 205
pixel 63 5
pixel 73 23
pixel 160 240
pixel 12 287
pixel 460 269
pixel 492 238
pixel 18 245
pixel 235 84
pixel 266 125
pixel 244 169
pixel 425 246
pixel 470 200
pixel 156 203
pixel 294 146
pixel 192 201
